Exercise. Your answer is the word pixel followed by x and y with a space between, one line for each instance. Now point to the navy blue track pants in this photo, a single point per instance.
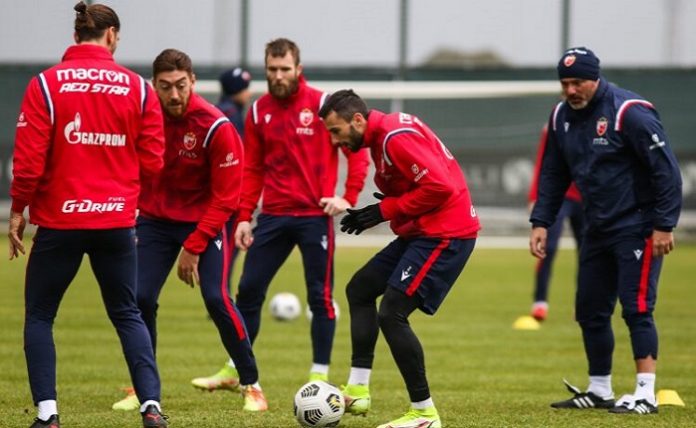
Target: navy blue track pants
pixel 159 245
pixel 53 263
pixel 274 239
pixel 619 267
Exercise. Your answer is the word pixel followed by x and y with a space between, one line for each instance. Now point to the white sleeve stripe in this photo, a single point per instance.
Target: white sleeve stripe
pixel 212 129
pixel 391 134
pixel 143 93
pixel 47 97
pixel 255 112
pixel 324 96
pixel 555 114
pixel 625 106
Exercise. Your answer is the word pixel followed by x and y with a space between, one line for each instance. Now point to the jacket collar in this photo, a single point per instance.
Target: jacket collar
pixel 374 123
pixel 87 51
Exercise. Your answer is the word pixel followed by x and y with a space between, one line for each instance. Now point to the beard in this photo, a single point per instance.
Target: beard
pixel 355 140
pixel 283 90
pixel 578 104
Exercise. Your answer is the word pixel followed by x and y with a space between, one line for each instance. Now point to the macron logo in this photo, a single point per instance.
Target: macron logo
pixel 638 253
pixel 406 274
pixel 218 243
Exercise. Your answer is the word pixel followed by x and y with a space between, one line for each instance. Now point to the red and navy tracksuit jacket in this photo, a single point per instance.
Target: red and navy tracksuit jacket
pixel 425 190
pixel 64 136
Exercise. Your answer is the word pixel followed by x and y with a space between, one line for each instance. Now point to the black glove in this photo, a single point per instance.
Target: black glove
pixel 358 220
pixel 349 224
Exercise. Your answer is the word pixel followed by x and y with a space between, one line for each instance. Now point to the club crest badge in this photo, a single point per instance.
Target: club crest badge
pixel 569 60
pixel 306 117
pixel 602 125
pixel 189 141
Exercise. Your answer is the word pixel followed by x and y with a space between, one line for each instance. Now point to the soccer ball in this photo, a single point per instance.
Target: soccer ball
pixel 285 307
pixel 319 404
pixel 310 315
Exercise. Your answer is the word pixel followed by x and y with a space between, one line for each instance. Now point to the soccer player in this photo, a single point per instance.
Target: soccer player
pixel 87 131
pixel 571 209
pixel 611 143
pixel 426 199
pixel 290 159
pixel 184 210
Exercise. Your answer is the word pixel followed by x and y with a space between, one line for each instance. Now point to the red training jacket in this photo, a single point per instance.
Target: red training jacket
pixel 573 193
pixel 425 189
pixel 88 129
pixel 290 157
pixel 202 173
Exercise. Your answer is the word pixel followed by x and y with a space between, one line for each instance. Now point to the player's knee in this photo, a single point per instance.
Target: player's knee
pixel 147 304
pixel 639 321
pixel 361 285
pixel 597 322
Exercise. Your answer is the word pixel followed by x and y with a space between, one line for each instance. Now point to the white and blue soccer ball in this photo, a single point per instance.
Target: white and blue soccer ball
pixel 310 315
pixel 285 306
pixel 319 404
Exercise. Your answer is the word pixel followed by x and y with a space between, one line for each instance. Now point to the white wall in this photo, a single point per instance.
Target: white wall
pixel 365 32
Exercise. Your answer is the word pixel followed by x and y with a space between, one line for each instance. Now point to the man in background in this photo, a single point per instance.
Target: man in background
pixel 289 157
pixel 235 97
pixel 571 209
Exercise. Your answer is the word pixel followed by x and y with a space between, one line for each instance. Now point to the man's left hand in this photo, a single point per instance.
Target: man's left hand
pixel 663 243
pixel 334 205
pixel 188 267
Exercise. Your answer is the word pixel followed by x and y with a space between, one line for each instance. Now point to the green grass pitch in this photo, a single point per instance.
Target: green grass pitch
pixel 482 373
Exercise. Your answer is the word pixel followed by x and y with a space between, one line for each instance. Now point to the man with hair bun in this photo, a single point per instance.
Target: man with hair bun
pixel 611 143
pixel 88 130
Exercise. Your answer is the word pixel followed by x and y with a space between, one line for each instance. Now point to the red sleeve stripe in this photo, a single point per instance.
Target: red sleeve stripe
pixel 645 277
pixel 224 289
pixel 426 267
pixel 389 136
pixel 47 97
pixel 212 129
pixel 328 279
pixel 555 114
pixel 625 106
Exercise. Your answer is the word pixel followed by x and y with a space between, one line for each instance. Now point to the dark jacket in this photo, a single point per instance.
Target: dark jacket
pixel 616 151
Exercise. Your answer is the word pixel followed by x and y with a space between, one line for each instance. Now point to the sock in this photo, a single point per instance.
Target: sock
pixel 320 368
pixel 255 385
pixel 601 386
pixel 421 405
pixel 645 387
pixel 150 403
pixel 359 376
pixel 231 363
pixel 47 408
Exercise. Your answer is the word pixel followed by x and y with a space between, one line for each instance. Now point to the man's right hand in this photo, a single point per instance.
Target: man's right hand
pixel 537 242
pixel 243 238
